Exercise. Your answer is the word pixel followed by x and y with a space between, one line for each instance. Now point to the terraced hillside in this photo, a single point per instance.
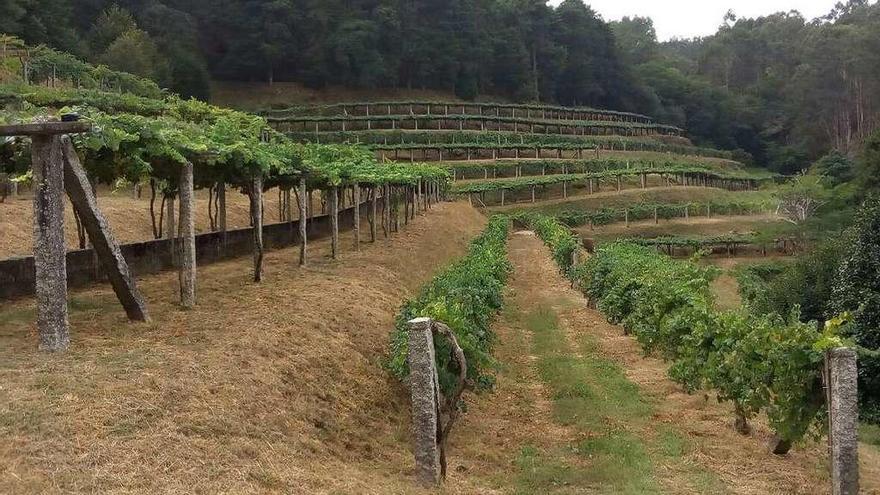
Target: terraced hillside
pixel 500 155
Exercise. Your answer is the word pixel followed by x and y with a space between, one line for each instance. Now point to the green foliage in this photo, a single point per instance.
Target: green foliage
pixel 558 237
pixel 136 137
pixel 517 183
pixel 46 62
pixel 754 281
pixel 645 211
pixel 465 296
pixel 857 290
pixel 836 167
pixel 136 53
pixel 868 164
pixel 758 362
pixel 613 143
pixel 802 287
pixel 488 109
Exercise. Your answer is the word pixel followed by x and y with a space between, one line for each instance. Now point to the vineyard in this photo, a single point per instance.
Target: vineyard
pixel 526 303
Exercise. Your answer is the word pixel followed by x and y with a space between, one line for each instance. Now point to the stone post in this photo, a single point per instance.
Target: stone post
pixel 843 418
pixel 171 228
pixel 334 221
pixel 221 209
pixel 187 239
pixel 303 196
pixel 50 252
pixel 106 249
pixel 374 193
pixel 356 192
pixel 256 207
pixel 425 391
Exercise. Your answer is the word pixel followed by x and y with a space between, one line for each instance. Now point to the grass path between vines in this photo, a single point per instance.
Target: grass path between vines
pixel 603 418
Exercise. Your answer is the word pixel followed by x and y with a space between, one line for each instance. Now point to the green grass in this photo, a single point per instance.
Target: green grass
pixel 619 445
pixel 592 395
pixel 545 471
pixel 869 434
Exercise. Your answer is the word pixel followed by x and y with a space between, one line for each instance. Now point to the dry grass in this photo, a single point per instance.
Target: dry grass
pixel 278 388
pixel 270 388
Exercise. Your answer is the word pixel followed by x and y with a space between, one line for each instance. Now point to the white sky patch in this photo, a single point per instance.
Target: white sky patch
pixel 690 18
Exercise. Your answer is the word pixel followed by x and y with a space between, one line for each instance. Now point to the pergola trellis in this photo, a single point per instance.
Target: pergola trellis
pixel 57 170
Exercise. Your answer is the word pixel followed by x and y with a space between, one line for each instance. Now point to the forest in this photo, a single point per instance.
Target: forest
pixel 781 88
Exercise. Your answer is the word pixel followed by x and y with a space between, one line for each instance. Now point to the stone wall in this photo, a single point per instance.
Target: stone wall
pixel 17 274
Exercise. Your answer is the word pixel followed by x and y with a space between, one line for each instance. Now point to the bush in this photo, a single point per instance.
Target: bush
pixel 857 290
pixel 466 297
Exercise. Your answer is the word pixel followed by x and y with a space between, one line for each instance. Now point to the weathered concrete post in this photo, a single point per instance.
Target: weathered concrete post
pixel 256 206
pixel 425 391
pixel 187 271
pixel 356 192
pixel 50 252
pixel 843 418
pixel 374 193
pixel 303 217
pixel 171 227
pixel 334 221
pixel 107 250
pixel 221 209
pixel 386 210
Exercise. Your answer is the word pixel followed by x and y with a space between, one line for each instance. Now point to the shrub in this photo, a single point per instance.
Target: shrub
pixel 466 296
pixel 857 289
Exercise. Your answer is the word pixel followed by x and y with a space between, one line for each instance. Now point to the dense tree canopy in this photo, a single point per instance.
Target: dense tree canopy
pixel 782 88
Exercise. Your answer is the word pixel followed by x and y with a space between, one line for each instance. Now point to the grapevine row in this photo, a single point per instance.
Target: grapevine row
pixel 576 150
pixel 320 124
pixel 454 108
pixel 758 363
pixel 466 296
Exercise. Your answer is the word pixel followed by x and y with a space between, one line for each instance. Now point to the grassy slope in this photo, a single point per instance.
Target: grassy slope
pixel 272 387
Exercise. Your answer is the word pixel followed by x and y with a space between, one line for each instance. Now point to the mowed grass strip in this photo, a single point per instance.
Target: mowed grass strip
pixel 592 396
pixel 617 448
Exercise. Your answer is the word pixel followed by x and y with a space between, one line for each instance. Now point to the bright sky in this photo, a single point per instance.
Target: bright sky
pixel 689 18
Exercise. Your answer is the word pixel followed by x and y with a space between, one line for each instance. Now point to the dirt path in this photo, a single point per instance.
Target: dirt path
pixel 707 456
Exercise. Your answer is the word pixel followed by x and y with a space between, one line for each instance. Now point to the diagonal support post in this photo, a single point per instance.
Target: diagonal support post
pixel 76 183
